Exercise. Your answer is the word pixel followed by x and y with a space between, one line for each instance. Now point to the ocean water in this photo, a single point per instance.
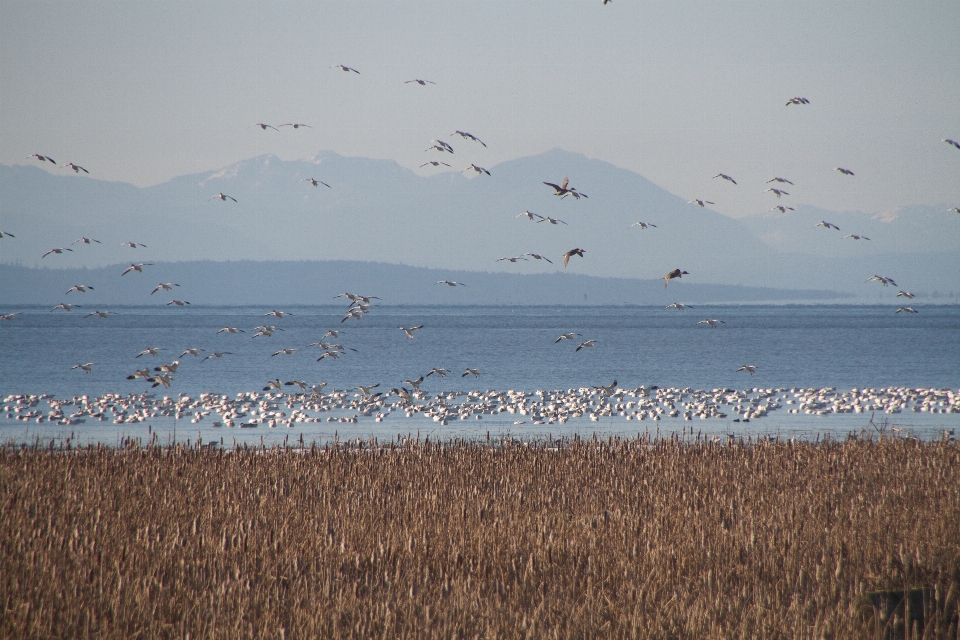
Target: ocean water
pixel 514 347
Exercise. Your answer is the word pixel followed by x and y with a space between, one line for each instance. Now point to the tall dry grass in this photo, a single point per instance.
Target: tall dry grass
pixel 613 539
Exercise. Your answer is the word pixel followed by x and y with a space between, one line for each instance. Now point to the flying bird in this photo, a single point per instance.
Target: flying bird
pixel 164 286
pixel 216 354
pixel 4 234
pixel 537 256
pixel 855 237
pixel 676 273
pixel 514 259
pixel 700 202
pixel 529 215
pixel 136 267
pixel 550 220
pixel 344 67
pixel 797 100
pixel 277 314
pixel 777 192
pixel 440 147
pixel 884 281
pixel 65 306
pixel 76 168
pixel 222 196
pixel 954 210
pixel 826 225
pixel 440 371
pixel 178 303
pixel 283 352
pixel 642 225
pixel 9 316
pixel 752 369
pixel 677 306
pixel 725 177
pixel 150 351
pixel 952 143
pixel 468 136
pixel 711 323
pixel 451 283
pixel 192 351
pixel 56 251
pixel 87 368
pixel 420 82
pixel 314 182
pixel 570 254
pixel 86 241
pixel 82 288
pixel 845 172
pixel 134 245
pixel 411 330
pixel 781 180
pixel 474 167
pixel 264 127
pixel 99 314
pixel 906 309
pixel 782 209
pixel 471 372
pixel 231 330
pixel 584 345
pixel 905 294
pixel 296 125
pixel 563 190
pixel 434 163
pixel 43 158
pixel 566 336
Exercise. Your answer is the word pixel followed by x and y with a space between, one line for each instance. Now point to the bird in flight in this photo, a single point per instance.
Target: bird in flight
pixel 529 215
pixel 563 190
pixel 434 163
pixel 781 180
pixel 778 192
pixel 570 254
pixel 471 372
pixel 164 286
pixel 192 351
pixel 676 273
pixel 231 330
pixel 150 351
pixel 725 177
pixel 566 336
pixel 474 167
pixel 134 245
pixel 797 100
pixel 344 67
pixel 9 316
pixel 440 371
pixel 537 256
pixel 514 259
pixel 855 237
pixel 440 147
pixel 700 202
pixel 845 172
pixel 43 158
pixel 677 306
pixel 952 143
pixel 136 267
pixel 283 352
pixel 451 283
pixel 782 208
pixel 56 251
pixel 216 354
pixel 905 294
pixel 82 288
pixel 411 330
pixel 65 306
pixel 99 314
pixel 87 368
pixel 584 345
pixel 826 225
pixel 906 309
pixel 550 220
pixel 264 126
pixel 4 234
pixel 313 182
pixel 468 136
pixel 420 82
pixel 76 168
pixel 751 368
pixel 711 323
pixel 296 125
pixel 882 280
pixel 954 210
pixel 222 196
pixel 642 225
pixel 86 241
pixel 277 314
pixel 178 303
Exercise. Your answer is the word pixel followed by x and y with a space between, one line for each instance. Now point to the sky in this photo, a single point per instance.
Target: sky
pixel 675 90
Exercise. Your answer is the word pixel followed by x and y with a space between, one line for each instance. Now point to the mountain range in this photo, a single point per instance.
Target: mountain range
pixel 377 211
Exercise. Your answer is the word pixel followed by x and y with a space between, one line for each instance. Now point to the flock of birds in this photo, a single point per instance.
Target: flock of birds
pixel 367 399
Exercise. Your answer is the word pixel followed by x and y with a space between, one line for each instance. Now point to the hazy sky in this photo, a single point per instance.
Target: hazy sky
pixel 676 91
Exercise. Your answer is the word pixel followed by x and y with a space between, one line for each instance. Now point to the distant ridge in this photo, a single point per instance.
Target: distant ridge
pixel 316 282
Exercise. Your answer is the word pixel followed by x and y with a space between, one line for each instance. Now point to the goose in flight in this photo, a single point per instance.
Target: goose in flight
pixel 134 245
pixel 86 241
pixel 906 309
pixel 161 379
pixel 782 209
pixel 298 383
pixel 585 345
pixel 264 126
pixel 826 225
pixel 76 168
pixel 178 303
pixel 856 237
pixel 608 390
pixel 191 351
pixel 415 383
pixel 231 330
pixel 354 312
pixel 952 143
pixel 217 354
pixel 277 314
pixel 435 163
pixel 676 273
pixel 411 330
pixel 283 352
pixel 164 286
pixel 329 354
pixel 777 192
pixel 566 336
pixel 87 368
pixel 420 82
pixel 440 147
pixel 954 210
pixel 139 373
pixel 905 294
pixel 451 283
pixel 150 351
pixel 82 288
pixel 750 368
pixel 4 234
pixel 168 368
pixel 296 125
pixel 471 372
pixel 344 67
pixel 99 314
pixel 313 182
pixel 366 390
pixel 474 167
pixel 881 280
pixel 550 220
pixel 514 259
pixel 797 100
pixel 845 172
pixel 642 225
pixel 677 306
pixel 136 267
pixel 274 384
pixel 331 333
pixel 9 316
pixel 781 180
pixel 563 190
pixel 712 323
pixel 468 136
pixel 571 253
pixel 65 306
pixel 725 177
pixel 222 196
pixel 700 202
pixel 440 371
pixel 42 158
pixel 529 215
pixel 443 143
pixel 56 251
pixel 537 256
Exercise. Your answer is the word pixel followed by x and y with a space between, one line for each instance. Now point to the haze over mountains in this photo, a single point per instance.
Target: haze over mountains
pixel 377 211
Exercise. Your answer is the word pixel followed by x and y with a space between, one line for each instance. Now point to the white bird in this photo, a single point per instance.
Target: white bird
pixel 168 368
pixel 725 177
pixel 676 273
pixel 87 368
pixel 366 390
pixel 440 371
pixel 415 383
pixel 550 220
pixel 451 283
pixel 440 147
pixel 344 67
pixel 231 330
pixel 331 333
pixel 677 306
pixel 299 383
pixel 57 251
pixel 797 100
pixel 42 158
pixel 954 210
pixel 178 303
pixel 782 209
pixel 513 259
pixel 150 351
pixel 529 215
pixel 277 314
pixel 905 294
pixel 537 256
pixel 76 168
pixel 826 225
pixel 468 136
pixel 222 196
pixel 411 330
pixel 474 167
pixel 752 369
pixel 217 354
pixel 443 143
pixel 136 267
pixel 296 125
pixel 355 298
pixel 134 245
pixel 471 372
pixel 882 280
pixel 164 286
pixel 82 288
pixel 9 316
pixel 563 190
pixel 642 225
pixel 315 182
pixel 139 373
pixel 584 345
pixel 329 354
pixel 952 143
pixel 777 192
pixel 161 379
pixel 781 180
pixel 566 336
pixel 906 309
pixel 86 241
pixel 420 82
pixel 65 306
pixel 712 323
pixel 700 202
pixel 193 351
pixel 571 253
pixel 845 172
pixel 285 352
pixel 855 237
pixel 264 127
pixel 99 314
pixel 435 163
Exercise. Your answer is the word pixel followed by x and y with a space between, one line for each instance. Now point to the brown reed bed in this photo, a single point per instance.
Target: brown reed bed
pixel 590 539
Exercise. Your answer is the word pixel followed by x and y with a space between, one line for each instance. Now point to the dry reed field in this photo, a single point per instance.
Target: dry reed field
pixel 640 538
